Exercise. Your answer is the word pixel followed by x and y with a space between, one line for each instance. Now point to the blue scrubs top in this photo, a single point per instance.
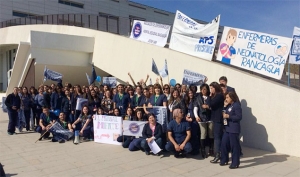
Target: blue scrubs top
pixel 178 130
pixel 158 101
pixel 122 102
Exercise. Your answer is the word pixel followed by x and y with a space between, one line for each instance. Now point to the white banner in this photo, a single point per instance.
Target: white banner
pixel 150 32
pixel 295 49
pixel 80 103
pixel 110 81
pixel 193 38
pixel 107 129
pixel 133 128
pixel 258 52
pixel 190 77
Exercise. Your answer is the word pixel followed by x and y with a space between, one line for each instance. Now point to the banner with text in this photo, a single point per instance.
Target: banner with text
pixel 190 77
pixel 107 129
pixel 190 37
pixel 80 103
pixel 295 49
pixel 258 52
pixel 150 32
pixel 110 81
pixel 133 128
pixel 161 115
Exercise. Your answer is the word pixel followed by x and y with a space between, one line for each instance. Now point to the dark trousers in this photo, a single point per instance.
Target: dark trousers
pixel 41 131
pixel 195 137
pixel 125 140
pixel 230 143
pixel 218 133
pixel 13 118
pixel 135 144
pixel 146 147
pixel 187 148
pixel 38 113
pixel 27 118
pixel 88 131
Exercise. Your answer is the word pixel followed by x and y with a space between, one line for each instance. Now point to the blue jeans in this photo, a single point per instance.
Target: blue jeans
pixel 146 147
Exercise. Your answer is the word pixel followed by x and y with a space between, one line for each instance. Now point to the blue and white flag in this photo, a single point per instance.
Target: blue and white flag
pixel 52 75
pixel 154 67
pixel 295 49
pixel 59 132
pixel 164 71
pixel 88 78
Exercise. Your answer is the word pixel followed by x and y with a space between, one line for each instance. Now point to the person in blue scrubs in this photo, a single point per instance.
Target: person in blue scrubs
pixel 232 116
pixel 46 120
pixel 121 100
pixel 158 99
pixel 179 134
pixel 13 103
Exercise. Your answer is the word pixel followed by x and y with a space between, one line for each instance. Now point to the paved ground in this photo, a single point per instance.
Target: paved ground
pixel 22 157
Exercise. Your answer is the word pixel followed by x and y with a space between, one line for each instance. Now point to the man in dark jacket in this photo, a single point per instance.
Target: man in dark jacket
pixel 13 103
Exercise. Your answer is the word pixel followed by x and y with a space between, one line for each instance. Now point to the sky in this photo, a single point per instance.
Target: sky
pixel 277 17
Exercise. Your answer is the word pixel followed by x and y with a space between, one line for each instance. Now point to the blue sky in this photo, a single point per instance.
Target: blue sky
pixel 276 17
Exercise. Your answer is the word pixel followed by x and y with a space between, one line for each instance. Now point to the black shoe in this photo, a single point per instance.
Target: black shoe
pixel 147 152
pixel 223 164
pixel 61 141
pixel 203 154
pixel 216 159
pixel 54 140
pixel 176 155
pixel 233 167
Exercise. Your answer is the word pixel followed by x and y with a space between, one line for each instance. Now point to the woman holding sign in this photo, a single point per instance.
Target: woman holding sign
pixel 152 131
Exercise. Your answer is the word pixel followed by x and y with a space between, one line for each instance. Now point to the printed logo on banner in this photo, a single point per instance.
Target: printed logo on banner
pixel 137 30
pixel 134 128
pixel 295 50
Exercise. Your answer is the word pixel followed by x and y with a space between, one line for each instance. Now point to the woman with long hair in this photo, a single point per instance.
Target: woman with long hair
pixel 176 102
pixel 85 124
pixel 215 103
pixel 26 103
pixel 232 115
pixel 107 103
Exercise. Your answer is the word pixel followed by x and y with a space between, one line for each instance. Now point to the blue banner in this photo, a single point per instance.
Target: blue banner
pixel 161 115
pixel 59 132
pixel 52 75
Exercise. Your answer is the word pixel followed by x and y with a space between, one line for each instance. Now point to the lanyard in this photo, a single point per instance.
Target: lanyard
pixel 121 97
pixel 136 99
pixel 155 99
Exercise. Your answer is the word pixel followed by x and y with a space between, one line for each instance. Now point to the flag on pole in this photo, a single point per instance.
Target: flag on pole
pixel 52 75
pixel 94 75
pixel 164 71
pixel 59 132
pixel 88 78
pixel 154 67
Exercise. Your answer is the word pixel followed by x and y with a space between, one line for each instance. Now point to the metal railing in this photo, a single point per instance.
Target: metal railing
pixel 122 26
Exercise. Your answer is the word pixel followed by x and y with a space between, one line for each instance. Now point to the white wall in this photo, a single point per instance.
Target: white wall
pixel 271 115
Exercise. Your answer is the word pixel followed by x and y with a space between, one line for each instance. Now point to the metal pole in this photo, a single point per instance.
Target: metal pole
pixel 289 75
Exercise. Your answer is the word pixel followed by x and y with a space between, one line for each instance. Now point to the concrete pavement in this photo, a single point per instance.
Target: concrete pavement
pixel 22 157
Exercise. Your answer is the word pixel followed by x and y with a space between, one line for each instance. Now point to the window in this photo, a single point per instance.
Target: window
pixel 25 14
pixel 71 3
pixel 109 23
pixel 136 6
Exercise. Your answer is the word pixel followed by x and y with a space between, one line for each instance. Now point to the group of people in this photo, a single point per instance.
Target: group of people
pixel 196 120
